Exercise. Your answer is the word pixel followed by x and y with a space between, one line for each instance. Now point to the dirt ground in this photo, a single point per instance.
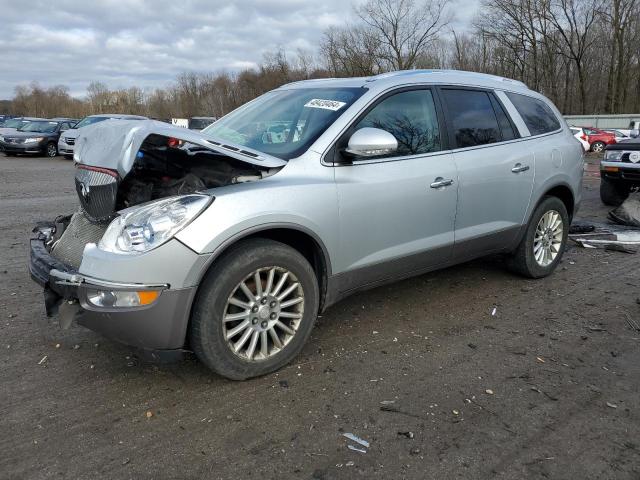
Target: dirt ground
pixel 547 387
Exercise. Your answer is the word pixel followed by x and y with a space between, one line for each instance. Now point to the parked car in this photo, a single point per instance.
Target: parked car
pixel 620 170
pixel 581 136
pixel 599 139
pixel 13 124
pixel 620 135
pixel 4 118
pixel 199 123
pixel 67 141
pixel 38 136
pixel 232 248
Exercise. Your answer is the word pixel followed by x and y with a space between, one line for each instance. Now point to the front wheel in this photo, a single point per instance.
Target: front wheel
pixel 598 147
pixel 612 193
pixel 545 239
pixel 52 150
pixel 254 310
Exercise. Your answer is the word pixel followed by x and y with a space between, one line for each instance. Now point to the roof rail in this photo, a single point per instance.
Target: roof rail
pixel 402 73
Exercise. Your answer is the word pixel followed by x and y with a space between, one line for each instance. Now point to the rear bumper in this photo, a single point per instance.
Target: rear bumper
pixel 158 326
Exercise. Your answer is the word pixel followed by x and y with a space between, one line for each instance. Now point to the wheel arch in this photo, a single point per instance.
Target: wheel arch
pixel 300 238
pixel 565 194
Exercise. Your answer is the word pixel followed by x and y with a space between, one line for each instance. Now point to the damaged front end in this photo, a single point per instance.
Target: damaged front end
pixel 124 168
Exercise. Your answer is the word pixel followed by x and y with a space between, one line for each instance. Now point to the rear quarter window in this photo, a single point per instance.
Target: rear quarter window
pixel 536 114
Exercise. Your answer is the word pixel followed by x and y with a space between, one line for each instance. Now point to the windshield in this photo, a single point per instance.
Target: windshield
pixel 14 123
pixel 284 123
pixel 39 127
pixel 89 121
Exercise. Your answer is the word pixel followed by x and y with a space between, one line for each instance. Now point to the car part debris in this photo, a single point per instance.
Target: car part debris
pixel 356 439
pixel 629 212
pixel 356 449
pixel 609 237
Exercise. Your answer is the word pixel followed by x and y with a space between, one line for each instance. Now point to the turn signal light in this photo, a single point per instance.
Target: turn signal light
pixel 610 169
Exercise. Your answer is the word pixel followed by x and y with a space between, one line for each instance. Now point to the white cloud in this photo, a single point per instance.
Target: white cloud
pixel 148 42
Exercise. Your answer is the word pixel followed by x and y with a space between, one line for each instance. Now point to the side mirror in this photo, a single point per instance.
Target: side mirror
pixel 371 142
pixel 634 133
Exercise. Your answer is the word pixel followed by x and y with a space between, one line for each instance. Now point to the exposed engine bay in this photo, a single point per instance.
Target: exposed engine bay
pixel 162 170
pixel 124 164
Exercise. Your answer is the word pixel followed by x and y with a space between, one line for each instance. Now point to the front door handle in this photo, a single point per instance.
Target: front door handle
pixel 441 182
pixel 518 167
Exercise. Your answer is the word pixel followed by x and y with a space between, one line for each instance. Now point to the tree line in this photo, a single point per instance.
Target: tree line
pixel 583 54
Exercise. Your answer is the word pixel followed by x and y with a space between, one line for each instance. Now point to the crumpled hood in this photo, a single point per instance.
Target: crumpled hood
pixel 115 144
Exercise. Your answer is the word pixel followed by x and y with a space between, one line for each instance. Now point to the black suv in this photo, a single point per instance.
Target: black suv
pixel 39 137
pixel 620 171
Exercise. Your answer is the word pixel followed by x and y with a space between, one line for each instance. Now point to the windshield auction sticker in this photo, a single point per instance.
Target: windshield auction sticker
pixel 325 104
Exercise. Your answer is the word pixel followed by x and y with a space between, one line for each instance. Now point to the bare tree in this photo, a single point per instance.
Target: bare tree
pixel 404 28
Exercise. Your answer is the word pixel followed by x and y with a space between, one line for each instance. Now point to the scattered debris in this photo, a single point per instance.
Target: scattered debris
pixel 356 449
pixel 284 383
pixel 44 359
pixel 612 405
pixel 488 391
pixel 350 463
pixel 394 409
pixel 455 412
pixel 125 461
pixel 409 435
pixel 473 346
pixel 540 359
pixel 596 329
pixel 629 212
pixel 387 402
pixel 609 237
pixel 493 312
pixel 57 345
pixel 356 439
pixel 149 414
pixel 415 451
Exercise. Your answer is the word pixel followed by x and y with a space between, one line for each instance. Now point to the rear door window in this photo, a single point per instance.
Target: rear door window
pixel 537 115
pixel 472 118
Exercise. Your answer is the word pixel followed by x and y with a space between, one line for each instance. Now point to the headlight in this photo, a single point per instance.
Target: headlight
pixel 142 228
pixel 613 155
pixel 33 139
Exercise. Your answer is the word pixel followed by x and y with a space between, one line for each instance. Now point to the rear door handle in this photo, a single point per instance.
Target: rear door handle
pixel 518 167
pixel 441 182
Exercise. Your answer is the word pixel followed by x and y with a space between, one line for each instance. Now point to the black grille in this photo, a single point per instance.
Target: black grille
pixel 70 140
pixel 97 193
pixel 80 231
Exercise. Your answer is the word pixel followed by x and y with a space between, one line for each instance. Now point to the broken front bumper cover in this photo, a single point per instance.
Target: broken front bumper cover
pixel 160 325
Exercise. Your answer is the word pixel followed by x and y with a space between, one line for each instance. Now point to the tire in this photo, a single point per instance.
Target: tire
pixel 598 147
pixel 612 193
pixel 51 150
pixel 523 260
pixel 208 331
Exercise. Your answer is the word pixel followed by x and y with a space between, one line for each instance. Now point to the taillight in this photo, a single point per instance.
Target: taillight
pixel 174 142
pixel 583 137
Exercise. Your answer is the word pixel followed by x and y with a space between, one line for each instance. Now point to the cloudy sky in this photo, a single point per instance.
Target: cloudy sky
pixel 148 42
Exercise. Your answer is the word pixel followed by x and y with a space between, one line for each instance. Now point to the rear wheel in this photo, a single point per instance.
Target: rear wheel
pixel 612 193
pixel 545 239
pixel 254 310
pixel 598 147
pixel 51 150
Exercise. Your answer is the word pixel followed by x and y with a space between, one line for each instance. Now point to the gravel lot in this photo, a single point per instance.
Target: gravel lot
pixel 548 387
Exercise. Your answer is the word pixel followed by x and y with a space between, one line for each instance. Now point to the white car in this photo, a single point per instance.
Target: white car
pixel 581 137
pixel 67 140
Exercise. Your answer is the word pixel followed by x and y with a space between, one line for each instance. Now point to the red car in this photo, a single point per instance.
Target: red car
pixel 598 139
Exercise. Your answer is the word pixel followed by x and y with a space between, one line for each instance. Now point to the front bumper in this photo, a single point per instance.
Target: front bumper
pixel 64 148
pixel 625 171
pixel 22 147
pixel 160 325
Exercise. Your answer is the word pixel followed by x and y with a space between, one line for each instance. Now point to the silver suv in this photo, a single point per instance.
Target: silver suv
pixel 230 241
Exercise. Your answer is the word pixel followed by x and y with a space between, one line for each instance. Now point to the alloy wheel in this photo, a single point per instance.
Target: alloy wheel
pixel 52 151
pixel 263 313
pixel 547 241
